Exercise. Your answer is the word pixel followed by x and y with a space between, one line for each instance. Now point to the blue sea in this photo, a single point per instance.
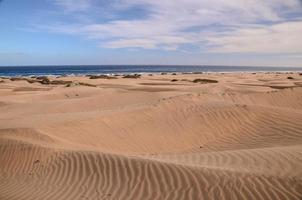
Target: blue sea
pixel 124 69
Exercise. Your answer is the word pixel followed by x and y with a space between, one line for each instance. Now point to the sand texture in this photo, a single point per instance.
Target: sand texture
pixel 152 137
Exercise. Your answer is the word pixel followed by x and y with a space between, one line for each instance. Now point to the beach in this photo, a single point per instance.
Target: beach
pixel 152 136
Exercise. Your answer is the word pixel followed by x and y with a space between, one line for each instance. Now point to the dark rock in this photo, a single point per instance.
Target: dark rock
pixel 41 77
pixel 132 76
pixel 102 77
pixel 32 81
pixel 203 81
pixel 44 80
pixel 17 79
pixel 60 82
pixel 87 84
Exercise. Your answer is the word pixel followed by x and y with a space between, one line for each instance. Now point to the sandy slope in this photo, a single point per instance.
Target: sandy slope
pixel 150 138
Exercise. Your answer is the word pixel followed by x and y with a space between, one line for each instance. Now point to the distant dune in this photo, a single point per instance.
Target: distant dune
pixel 186 136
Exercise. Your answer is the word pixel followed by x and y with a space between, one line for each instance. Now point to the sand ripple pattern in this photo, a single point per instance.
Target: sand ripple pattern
pixel 88 175
pixel 129 144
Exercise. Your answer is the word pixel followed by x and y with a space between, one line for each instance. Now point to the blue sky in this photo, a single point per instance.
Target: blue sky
pixel 193 32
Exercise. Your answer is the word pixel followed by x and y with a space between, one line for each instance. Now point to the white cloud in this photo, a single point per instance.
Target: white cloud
pixel 74 5
pixel 279 38
pixel 257 26
pixel 166 42
pixel 134 43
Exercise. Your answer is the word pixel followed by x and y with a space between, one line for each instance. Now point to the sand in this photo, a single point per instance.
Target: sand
pixel 152 138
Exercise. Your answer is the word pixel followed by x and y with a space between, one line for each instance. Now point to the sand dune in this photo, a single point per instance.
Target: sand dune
pixel 148 138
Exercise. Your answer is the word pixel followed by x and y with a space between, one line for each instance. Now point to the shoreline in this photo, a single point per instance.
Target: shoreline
pixel 152 73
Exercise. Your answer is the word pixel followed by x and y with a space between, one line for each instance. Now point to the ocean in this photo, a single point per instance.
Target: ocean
pixel 124 69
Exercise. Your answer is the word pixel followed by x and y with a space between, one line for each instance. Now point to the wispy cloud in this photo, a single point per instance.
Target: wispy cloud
pixel 74 5
pixel 244 26
pixel 278 38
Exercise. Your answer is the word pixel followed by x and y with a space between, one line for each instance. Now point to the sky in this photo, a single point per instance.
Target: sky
pixel 182 32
